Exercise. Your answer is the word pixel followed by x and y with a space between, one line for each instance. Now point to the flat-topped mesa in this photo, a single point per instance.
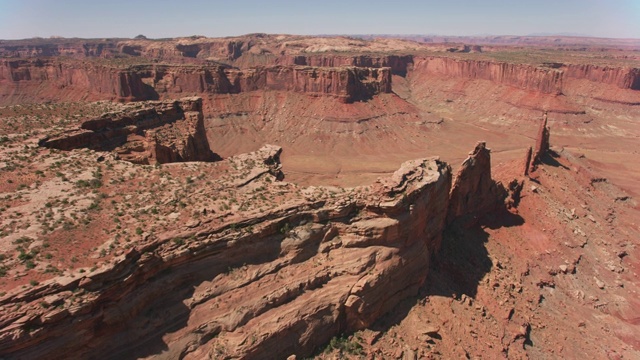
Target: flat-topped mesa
pixel 348 84
pixel 58 47
pixel 398 64
pixel 73 79
pixel 474 192
pixel 148 133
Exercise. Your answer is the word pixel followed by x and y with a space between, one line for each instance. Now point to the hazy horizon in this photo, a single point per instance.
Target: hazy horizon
pixel 167 19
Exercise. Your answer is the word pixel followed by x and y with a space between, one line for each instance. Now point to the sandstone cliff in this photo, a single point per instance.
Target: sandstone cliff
pixel 79 48
pixel 52 79
pixel 277 281
pixel 346 83
pixel 156 132
pixel 349 69
pixel 397 63
pixel 548 81
pixel 624 78
pixel 74 80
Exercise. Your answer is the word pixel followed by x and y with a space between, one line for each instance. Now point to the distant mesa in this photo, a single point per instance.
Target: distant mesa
pixel 148 133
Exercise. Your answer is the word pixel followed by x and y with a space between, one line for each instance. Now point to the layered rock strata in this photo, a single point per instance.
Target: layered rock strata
pixel 52 79
pixel 149 133
pixel 346 83
pixel 261 49
pixel 79 80
pixel 544 80
pixel 399 64
pixel 624 78
pixel 280 281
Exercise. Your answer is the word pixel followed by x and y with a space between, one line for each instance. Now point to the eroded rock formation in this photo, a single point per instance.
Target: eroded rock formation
pixel 281 281
pixel 542 144
pixel 474 192
pixel 624 78
pixel 346 83
pixel 399 64
pixel 71 79
pixel 51 79
pixel 548 81
pixel 149 133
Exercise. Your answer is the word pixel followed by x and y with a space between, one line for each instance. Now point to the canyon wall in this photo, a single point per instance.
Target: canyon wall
pixel 219 49
pixel 157 132
pixel 69 80
pixel 142 69
pixel 397 63
pixel 528 77
pixel 269 50
pixel 474 193
pixel 75 80
pixel 346 83
pixel 114 48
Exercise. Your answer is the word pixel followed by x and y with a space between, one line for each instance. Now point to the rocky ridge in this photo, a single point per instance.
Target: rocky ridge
pixel 326 261
pixel 72 79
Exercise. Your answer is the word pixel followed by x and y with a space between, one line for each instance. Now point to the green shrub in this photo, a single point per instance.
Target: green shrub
pixel 345 345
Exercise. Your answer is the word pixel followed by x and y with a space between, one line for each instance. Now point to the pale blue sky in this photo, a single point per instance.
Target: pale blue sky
pixel 162 18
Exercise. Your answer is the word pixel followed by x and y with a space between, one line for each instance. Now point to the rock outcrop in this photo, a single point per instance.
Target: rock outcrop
pixel 149 133
pixel 70 79
pixel 474 192
pixel 399 64
pixel 279 282
pixel 346 83
pixel 542 145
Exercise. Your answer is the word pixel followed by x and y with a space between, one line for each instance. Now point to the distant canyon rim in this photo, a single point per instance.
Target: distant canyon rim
pixel 330 101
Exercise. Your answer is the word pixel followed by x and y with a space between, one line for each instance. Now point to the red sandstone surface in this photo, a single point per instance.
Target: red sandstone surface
pixel 140 206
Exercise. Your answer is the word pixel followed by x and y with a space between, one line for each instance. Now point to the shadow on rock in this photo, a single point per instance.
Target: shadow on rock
pixel 461 264
pixel 549 158
pixel 464 260
pixel 164 317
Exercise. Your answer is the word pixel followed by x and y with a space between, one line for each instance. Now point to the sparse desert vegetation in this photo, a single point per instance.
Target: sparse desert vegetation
pixel 315 196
